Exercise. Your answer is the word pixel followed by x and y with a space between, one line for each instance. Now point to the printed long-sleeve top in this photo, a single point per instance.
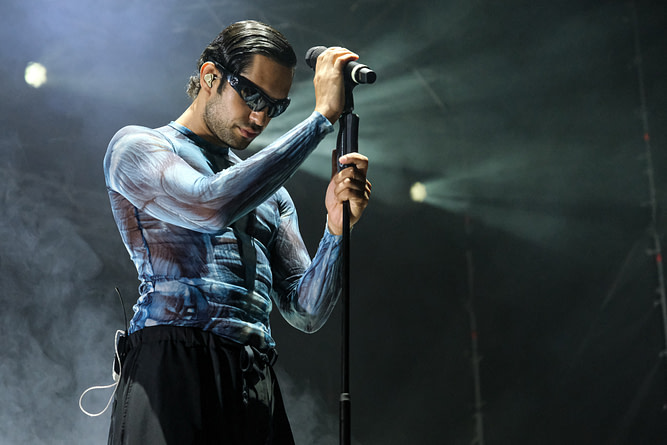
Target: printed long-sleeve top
pixel 215 240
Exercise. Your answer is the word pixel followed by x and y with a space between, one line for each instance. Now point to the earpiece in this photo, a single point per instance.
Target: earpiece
pixel 208 78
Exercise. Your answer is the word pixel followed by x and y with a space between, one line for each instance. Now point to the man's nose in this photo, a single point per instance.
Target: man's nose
pixel 260 118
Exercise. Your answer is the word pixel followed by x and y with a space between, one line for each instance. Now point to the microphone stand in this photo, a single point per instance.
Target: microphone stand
pixel 347 143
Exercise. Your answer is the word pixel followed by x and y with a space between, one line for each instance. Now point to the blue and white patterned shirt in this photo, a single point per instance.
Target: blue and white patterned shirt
pixel 190 232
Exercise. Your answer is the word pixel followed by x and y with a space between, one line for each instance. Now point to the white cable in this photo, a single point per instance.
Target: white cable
pixel 94 388
pixel 116 378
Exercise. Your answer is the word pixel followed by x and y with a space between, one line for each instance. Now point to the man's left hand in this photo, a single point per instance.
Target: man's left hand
pixel 350 184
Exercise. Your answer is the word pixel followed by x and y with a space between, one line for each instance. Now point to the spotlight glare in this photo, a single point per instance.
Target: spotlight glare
pixel 35 74
pixel 418 192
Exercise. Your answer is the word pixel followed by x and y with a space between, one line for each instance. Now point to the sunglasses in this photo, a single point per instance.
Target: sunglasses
pixel 253 96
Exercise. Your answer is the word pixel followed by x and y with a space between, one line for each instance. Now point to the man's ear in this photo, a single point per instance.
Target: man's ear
pixel 207 73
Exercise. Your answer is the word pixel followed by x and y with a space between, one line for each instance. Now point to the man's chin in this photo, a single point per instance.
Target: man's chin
pixel 240 145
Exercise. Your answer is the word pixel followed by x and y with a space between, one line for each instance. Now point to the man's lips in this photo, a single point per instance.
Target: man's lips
pixel 248 133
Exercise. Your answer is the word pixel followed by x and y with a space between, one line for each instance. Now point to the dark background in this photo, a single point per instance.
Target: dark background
pixel 526 122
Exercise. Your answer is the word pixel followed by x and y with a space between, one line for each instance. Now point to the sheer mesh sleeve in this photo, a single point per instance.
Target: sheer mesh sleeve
pixel 142 165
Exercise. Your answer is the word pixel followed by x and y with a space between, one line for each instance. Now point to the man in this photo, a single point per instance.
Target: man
pixel 216 243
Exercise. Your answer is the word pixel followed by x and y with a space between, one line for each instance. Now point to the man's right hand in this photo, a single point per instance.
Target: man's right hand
pixel 329 82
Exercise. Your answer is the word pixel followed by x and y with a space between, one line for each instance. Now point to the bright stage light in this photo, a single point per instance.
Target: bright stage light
pixel 418 192
pixel 35 74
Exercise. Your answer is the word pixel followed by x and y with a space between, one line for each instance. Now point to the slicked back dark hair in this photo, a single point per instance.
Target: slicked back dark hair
pixel 236 45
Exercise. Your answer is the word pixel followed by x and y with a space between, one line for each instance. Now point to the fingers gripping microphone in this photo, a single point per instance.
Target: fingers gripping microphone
pixel 354 71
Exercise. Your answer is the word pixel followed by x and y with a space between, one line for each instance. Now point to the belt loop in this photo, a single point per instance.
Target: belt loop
pixel 272 356
pixel 247 358
pixel 253 358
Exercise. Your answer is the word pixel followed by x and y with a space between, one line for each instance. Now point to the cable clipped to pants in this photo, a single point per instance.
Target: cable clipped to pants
pixel 119 356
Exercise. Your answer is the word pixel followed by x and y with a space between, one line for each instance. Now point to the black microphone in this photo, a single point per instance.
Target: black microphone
pixel 354 71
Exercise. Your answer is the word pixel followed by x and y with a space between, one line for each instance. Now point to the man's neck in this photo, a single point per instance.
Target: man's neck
pixel 190 120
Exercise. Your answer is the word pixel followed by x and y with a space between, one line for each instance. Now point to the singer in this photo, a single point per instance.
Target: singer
pixel 216 244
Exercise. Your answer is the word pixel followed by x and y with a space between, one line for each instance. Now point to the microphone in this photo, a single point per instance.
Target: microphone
pixel 354 71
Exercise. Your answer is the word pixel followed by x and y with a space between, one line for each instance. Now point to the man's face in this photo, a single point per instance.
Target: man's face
pixel 227 116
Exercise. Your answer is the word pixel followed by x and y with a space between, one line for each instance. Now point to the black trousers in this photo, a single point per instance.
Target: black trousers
pixel 185 386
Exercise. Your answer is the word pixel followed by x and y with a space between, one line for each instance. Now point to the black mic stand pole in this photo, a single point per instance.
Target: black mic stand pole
pixel 347 143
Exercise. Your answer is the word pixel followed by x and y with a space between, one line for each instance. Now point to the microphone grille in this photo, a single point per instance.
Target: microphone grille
pixel 312 54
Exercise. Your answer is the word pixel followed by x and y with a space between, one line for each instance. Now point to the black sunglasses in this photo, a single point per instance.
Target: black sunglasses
pixel 253 96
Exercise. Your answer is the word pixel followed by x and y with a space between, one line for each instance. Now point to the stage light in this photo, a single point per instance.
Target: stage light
pixel 35 74
pixel 418 192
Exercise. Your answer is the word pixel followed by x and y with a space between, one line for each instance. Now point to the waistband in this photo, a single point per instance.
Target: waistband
pixel 249 355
